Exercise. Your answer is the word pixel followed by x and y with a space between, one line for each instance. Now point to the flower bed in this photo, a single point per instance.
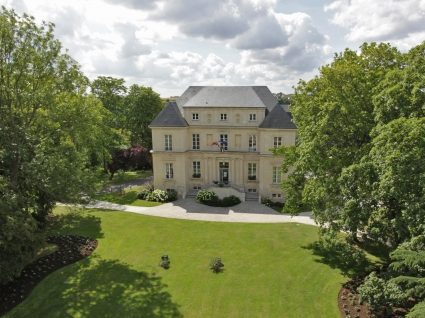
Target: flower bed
pixel 71 248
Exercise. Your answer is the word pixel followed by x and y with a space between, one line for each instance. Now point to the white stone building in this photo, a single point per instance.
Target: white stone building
pixel 221 137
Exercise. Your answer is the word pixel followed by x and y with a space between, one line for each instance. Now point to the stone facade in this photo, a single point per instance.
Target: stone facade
pixel 214 146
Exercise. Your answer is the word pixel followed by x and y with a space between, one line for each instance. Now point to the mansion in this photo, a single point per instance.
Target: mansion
pixel 222 137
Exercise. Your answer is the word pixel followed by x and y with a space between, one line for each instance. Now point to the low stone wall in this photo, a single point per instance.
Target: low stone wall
pixel 227 191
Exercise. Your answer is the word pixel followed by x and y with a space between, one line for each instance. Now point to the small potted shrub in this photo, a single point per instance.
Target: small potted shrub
pixel 165 262
pixel 216 265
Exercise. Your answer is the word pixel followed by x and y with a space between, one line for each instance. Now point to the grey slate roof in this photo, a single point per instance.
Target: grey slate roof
pixel 170 116
pixel 278 118
pixel 188 94
pixel 227 96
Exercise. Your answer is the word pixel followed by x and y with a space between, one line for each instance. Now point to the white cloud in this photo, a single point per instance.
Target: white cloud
pixel 172 44
pixel 265 33
pixel 135 4
pixel 379 20
pixel 207 18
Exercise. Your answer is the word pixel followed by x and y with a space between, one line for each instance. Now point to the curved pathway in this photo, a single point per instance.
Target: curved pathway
pixel 189 209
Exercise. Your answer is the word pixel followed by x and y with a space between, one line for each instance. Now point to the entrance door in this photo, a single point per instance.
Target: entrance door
pixel 224 172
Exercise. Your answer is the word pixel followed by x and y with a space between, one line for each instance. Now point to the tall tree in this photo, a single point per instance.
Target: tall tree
pixel 49 127
pixel 142 105
pixel 333 116
pixel 111 91
pixel 384 194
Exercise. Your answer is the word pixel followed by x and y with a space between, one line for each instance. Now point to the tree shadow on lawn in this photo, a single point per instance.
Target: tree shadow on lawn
pixel 109 289
pixel 76 222
pixel 350 260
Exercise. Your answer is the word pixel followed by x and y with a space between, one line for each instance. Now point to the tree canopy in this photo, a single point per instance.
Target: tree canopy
pixel 50 127
pixel 347 141
pixel 359 161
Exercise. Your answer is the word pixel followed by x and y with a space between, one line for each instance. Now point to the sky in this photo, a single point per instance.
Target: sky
pixel 172 44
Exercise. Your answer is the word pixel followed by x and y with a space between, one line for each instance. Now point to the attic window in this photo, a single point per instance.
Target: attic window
pixel 223 117
pixel 195 116
pixel 252 117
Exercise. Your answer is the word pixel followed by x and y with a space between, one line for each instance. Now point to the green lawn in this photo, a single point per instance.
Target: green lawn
pixel 121 177
pixel 128 196
pixel 270 271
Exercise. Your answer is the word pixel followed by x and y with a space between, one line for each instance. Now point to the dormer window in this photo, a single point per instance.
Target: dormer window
pixel 223 117
pixel 252 117
pixel 195 116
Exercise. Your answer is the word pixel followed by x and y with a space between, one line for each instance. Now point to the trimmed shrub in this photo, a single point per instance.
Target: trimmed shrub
pixel 230 201
pixel 210 198
pixel 172 195
pixel 272 204
pixel 216 265
pixel 206 196
pixel 157 195
pixel 267 202
pixel 165 262
pixel 142 195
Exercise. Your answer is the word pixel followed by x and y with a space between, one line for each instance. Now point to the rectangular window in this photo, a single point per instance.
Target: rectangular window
pixel 168 142
pixel 195 116
pixel 195 142
pixel 277 141
pixel 169 171
pixel 196 169
pixel 252 171
pixel 277 175
pixel 252 143
pixel 252 190
pixel 252 117
pixel 223 142
pixel 223 117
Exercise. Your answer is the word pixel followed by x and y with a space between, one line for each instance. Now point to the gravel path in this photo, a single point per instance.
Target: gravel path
pixel 189 209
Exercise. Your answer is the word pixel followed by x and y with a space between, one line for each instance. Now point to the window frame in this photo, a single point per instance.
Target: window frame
pixel 225 145
pixel 253 117
pixel 223 117
pixel 277 175
pixel 196 142
pixel 196 169
pixel 168 142
pixel 169 170
pixel 252 171
pixel 277 141
pixel 252 143
pixel 195 116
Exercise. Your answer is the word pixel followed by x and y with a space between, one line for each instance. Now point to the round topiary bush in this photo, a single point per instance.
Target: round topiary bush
pixel 216 265
pixel 230 201
pixel 210 198
pixel 206 196
pixel 157 195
